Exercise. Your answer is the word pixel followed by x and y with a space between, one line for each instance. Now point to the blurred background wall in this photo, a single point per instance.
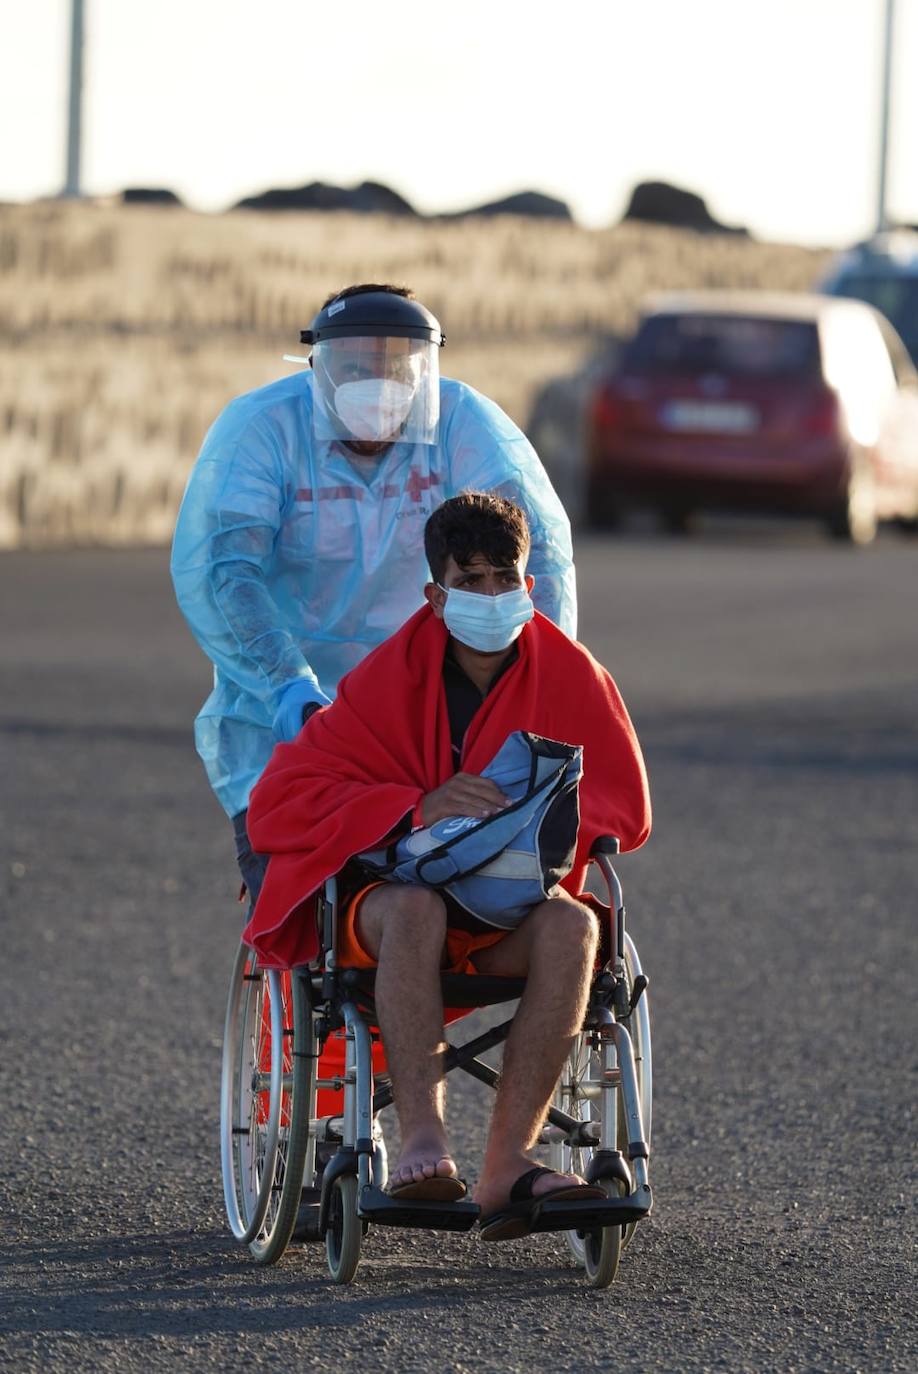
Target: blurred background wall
pixel 125 328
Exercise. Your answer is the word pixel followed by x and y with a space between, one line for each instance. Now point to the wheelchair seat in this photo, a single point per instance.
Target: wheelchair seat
pixel 462 991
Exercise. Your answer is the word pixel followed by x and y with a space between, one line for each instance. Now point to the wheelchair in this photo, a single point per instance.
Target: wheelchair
pixel 273 1138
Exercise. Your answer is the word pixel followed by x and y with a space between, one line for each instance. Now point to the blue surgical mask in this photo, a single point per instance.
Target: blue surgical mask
pixel 486 623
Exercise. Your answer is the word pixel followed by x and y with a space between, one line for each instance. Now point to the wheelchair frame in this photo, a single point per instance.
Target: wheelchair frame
pixel 276 1024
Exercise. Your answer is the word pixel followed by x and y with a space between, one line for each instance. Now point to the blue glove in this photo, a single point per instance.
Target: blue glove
pixel 295 699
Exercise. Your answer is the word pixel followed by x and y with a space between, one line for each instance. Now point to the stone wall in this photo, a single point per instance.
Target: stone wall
pixel 125 329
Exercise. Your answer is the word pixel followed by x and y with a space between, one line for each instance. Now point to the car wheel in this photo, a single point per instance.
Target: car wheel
pixel 600 511
pixel 677 520
pixel 854 521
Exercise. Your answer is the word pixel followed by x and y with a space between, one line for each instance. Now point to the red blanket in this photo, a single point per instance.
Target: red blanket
pixel 359 765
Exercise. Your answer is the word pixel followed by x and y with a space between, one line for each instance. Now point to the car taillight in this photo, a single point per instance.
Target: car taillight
pixel 608 410
pixel 821 417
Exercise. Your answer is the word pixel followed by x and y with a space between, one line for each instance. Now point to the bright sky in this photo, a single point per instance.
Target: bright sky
pixel 768 108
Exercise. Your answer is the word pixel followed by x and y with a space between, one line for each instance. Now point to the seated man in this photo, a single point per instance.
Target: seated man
pixel 404 745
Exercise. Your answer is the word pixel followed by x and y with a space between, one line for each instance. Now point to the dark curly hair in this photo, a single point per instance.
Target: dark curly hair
pixel 475 522
pixel 364 287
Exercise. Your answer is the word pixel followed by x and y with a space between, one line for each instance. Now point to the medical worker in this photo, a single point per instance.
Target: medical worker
pixel 299 544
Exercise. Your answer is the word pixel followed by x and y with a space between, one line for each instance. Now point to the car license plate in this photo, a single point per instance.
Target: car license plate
pixel 713 417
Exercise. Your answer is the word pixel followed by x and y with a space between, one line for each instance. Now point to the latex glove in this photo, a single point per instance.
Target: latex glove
pixel 293 706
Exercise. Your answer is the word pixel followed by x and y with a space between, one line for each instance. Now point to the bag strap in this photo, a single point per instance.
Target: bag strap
pixel 545 792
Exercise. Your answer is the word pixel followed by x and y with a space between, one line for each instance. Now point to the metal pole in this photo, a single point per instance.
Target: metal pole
pixel 75 102
pixel 882 219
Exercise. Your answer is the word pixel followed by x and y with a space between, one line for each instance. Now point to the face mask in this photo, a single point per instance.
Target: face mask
pixel 486 623
pixel 375 408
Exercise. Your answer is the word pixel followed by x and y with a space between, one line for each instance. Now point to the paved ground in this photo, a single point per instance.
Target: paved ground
pixel 773 680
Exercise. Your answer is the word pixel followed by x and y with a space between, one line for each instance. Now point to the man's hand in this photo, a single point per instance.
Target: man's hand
pixel 464 794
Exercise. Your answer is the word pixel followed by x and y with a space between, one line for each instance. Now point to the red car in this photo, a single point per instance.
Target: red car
pixel 756 401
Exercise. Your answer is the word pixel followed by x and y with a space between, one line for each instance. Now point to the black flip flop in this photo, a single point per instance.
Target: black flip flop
pixel 516 1219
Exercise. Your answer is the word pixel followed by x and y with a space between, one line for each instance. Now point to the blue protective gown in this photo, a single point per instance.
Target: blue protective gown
pixel 289 561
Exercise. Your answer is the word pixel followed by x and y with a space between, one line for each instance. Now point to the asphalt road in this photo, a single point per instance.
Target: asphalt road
pixel 773 681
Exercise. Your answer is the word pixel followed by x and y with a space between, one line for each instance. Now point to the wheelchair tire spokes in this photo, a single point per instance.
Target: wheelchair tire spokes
pixel 591 1090
pixel 267 1101
pixel 576 1096
pixel 265 1163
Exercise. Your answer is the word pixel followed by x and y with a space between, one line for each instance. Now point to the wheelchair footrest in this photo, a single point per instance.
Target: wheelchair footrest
pixel 593 1215
pixel 377 1206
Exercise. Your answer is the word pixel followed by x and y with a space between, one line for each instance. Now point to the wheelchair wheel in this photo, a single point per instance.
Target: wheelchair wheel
pixel 266 1104
pixel 639 1030
pixel 602 1249
pixel 345 1231
pixel 579 1094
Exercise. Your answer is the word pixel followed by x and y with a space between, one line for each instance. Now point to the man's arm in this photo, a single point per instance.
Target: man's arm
pixel 224 542
pixel 488 452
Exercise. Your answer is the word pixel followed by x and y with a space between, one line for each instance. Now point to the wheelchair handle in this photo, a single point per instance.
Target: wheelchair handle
pixel 601 851
pixel 606 844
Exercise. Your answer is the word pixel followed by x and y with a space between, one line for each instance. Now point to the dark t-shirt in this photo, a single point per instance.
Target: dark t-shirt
pixel 463 698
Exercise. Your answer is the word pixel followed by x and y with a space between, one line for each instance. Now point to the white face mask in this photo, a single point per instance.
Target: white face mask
pixel 486 623
pixel 375 408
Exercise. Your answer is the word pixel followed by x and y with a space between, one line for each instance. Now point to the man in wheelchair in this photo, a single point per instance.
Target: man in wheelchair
pixel 404 746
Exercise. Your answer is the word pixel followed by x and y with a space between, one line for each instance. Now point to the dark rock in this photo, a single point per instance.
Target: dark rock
pixel 149 195
pixel 370 197
pixel 532 203
pixel 657 202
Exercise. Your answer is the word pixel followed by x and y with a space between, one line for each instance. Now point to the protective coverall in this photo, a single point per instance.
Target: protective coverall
pixel 291 559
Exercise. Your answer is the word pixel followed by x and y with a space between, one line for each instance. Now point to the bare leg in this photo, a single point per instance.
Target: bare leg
pixel 404 928
pixel 556 949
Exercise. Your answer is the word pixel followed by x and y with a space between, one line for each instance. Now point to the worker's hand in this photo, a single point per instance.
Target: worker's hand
pixel 464 794
pixel 297 701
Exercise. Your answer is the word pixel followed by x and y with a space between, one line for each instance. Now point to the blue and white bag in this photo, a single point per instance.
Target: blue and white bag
pixel 499 867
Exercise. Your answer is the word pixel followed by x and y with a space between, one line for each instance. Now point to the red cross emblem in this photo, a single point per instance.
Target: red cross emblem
pixel 417 484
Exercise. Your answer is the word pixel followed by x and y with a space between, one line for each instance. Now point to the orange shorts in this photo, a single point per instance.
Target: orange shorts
pixel 461 945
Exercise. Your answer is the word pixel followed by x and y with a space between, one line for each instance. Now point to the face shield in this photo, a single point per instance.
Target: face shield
pixel 377 389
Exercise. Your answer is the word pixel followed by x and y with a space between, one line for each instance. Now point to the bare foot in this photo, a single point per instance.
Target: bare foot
pixel 415 1166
